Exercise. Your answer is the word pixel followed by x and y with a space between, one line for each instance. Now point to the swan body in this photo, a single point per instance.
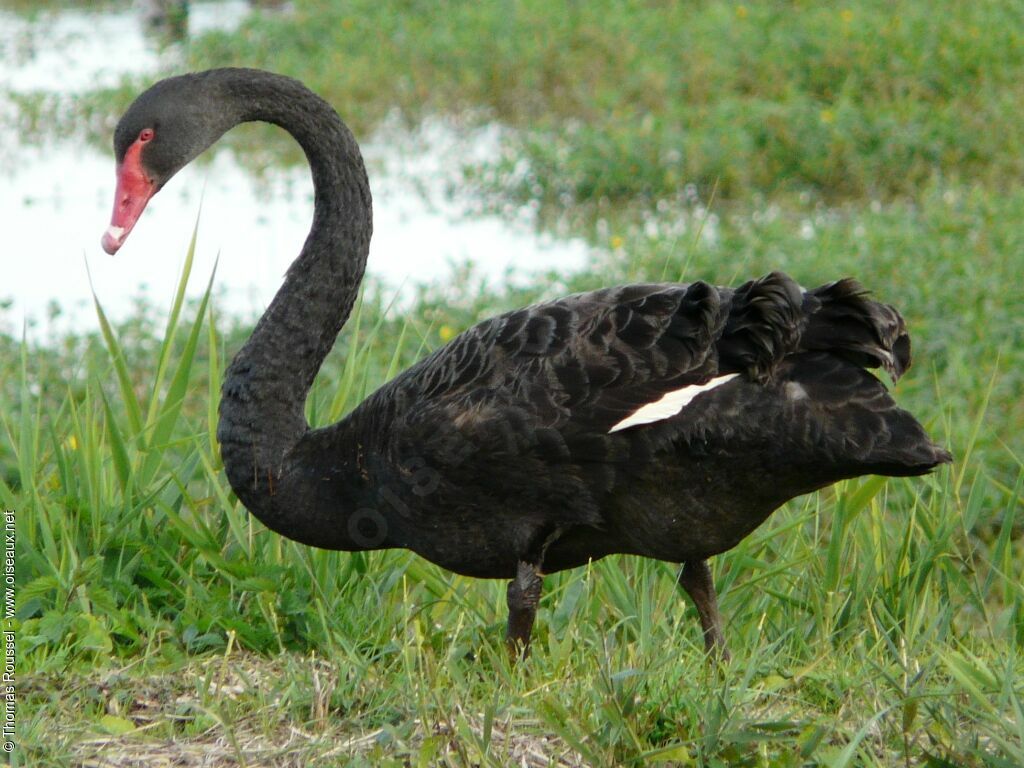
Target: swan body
pixel 662 420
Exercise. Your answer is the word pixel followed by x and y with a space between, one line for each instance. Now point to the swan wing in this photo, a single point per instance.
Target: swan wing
pixel 566 398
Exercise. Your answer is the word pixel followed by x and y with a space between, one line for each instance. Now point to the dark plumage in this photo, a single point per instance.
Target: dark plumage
pixel 517 449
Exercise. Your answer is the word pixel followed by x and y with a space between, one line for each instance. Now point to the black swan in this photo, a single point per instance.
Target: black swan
pixel 663 420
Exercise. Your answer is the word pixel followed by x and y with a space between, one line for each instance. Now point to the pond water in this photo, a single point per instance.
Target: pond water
pixel 56 197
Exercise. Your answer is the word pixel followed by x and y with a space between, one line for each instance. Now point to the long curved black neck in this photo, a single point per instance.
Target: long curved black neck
pixel 265 388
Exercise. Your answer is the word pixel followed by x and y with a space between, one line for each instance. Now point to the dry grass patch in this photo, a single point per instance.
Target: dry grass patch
pixel 230 711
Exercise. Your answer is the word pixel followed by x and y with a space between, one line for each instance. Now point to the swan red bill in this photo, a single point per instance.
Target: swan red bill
pixel 134 189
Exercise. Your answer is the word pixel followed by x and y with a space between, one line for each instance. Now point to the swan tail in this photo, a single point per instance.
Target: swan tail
pixel 909 451
pixel 856 419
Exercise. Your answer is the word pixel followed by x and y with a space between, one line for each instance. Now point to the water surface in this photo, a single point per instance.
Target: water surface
pixel 56 197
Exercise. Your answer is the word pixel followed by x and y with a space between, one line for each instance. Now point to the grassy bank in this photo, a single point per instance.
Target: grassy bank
pixel 883 617
pixel 635 99
pixel 876 623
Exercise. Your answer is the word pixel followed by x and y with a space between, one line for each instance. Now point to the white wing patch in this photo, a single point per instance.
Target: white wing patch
pixel 670 404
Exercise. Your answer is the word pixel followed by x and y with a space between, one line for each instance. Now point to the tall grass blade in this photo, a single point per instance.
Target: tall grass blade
pixel 166 417
pixel 133 410
pixel 171 329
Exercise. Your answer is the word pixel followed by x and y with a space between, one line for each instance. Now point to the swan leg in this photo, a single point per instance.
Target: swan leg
pixel 523 596
pixel 695 578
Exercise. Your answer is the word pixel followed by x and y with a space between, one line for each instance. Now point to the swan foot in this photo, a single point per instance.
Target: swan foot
pixel 695 579
pixel 523 596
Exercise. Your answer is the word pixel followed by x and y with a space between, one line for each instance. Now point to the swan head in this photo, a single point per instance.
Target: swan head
pixel 163 130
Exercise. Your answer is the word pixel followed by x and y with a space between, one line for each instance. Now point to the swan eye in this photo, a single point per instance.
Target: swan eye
pixel 146 134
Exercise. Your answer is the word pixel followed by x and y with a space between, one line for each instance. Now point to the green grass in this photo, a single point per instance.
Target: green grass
pixel 626 99
pixel 870 624
pixel 875 623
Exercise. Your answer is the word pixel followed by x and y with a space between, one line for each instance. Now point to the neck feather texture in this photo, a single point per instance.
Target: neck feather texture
pixel 263 397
